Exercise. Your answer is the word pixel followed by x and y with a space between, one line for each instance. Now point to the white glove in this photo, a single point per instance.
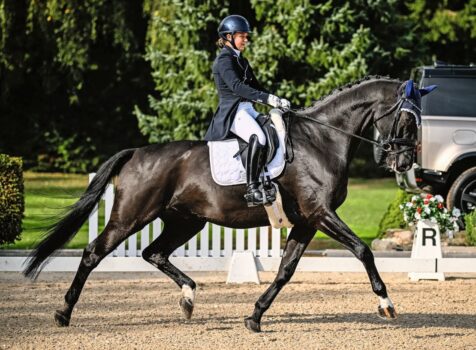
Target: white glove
pixel 285 104
pixel 277 102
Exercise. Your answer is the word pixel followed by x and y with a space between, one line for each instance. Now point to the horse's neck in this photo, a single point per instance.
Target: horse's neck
pixel 348 113
pixel 352 116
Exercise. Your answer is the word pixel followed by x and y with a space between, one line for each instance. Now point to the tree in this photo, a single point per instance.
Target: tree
pixel 179 51
pixel 71 73
pixel 447 29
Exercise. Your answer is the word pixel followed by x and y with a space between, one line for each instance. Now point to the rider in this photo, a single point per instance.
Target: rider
pixel 237 88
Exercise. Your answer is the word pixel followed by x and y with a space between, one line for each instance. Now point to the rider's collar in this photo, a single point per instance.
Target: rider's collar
pixel 238 52
pixel 233 51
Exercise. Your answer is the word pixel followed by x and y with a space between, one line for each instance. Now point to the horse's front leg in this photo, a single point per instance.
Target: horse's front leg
pixel 334 227
pixel 297 242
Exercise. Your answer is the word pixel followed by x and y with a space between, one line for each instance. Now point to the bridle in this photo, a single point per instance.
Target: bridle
pixel 386 144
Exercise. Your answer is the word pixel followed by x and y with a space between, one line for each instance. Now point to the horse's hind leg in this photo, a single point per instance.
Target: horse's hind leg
pixel 105 243
pixel 334 227
pixel 176 232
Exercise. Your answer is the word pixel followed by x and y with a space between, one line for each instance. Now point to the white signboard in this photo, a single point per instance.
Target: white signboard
pixel 427 244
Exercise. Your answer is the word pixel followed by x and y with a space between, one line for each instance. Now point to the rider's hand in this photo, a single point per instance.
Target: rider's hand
pixel 277 102
pixel 285 104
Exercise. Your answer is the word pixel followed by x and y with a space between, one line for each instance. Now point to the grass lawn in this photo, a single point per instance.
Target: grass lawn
pixel 47 194
pixel 365 205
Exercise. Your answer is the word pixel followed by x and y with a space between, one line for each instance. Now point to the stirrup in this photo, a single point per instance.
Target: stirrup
pixel 253 196
pixel 269 190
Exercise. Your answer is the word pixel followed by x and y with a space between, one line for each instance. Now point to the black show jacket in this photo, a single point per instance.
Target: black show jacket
pixel 235 82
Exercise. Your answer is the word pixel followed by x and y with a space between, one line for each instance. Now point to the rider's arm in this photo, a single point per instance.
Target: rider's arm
pixel 255 83
pixel 235 84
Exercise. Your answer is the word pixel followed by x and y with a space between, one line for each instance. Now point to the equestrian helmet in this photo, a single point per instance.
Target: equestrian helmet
pixel 233 24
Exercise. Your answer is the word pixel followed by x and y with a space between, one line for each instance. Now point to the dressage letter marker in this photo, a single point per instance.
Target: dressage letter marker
pixel 427 244
pixel 429 233
pixel 243 268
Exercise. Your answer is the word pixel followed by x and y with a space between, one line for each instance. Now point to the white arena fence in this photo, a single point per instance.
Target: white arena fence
pixel 213 247
pixel 212 241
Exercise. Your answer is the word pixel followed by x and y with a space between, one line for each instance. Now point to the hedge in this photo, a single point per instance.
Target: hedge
pixel 470 227
pixel 12 203
pixel 393 217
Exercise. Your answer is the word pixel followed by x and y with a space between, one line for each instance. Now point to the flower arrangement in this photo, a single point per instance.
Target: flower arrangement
pixel 432 208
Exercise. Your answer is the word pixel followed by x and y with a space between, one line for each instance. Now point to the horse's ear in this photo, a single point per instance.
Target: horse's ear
pixel 427 89
pixel 409 88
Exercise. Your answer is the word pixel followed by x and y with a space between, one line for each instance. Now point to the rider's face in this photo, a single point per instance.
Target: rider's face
pixel 241 40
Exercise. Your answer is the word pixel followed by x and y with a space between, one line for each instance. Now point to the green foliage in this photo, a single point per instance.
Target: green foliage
pixel 393 217
pixel 73 67
pixel 470 227
pixel 72 154
pixel 12 204
pixel 76 27
pixel 179 51
pixel 447 28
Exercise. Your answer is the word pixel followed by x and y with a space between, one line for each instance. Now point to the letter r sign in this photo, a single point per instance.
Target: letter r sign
pixel 429 234
pixel 427 245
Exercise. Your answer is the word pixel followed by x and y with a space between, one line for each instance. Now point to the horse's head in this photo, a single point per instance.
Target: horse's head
pixel 398 127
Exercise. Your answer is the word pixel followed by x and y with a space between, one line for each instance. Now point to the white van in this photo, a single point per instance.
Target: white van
pixel 446 153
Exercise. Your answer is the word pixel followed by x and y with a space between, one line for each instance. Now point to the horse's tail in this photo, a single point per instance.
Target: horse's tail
pixel 69 224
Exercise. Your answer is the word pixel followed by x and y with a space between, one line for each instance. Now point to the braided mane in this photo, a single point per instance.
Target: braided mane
pixel 345 88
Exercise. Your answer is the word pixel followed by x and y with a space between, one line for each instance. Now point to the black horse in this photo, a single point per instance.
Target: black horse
pixel 173 181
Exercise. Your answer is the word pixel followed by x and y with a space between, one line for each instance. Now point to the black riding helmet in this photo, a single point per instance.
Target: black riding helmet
pixel 231 25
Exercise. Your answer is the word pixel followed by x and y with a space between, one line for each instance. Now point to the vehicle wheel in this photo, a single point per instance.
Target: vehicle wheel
pixel 462 193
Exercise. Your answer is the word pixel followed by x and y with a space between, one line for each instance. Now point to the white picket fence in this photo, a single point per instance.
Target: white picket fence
pixel 213 247
pixel 204 254
pixel 255 239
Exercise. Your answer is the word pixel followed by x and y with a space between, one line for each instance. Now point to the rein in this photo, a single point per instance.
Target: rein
pixel 384 145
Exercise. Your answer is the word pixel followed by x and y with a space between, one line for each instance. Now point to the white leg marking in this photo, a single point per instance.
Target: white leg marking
pixel 188 292
pixel 385 303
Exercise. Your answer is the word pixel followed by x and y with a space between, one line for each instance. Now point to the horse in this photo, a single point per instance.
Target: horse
pixel 173 181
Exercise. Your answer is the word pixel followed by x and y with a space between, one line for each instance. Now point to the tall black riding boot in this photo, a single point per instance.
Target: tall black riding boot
pixel 253 194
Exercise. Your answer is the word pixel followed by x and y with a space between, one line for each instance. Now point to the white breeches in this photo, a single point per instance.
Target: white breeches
pixel 245 124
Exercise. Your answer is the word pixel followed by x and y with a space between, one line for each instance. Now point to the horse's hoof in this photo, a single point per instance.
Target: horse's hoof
pixel 61 319
pixel 186 304
pixel 252 325
pixel 387 313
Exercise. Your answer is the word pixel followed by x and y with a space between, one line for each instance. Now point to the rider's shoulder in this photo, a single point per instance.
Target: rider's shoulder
pixel 223 55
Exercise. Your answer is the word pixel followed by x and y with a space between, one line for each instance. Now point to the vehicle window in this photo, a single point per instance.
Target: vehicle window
pixel 454 96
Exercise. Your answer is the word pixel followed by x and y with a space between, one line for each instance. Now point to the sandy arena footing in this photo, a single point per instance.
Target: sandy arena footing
pixel 314 311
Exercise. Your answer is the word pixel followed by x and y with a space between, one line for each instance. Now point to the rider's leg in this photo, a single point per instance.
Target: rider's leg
pixel 254 165
pixel 249 130
pixel 244 125
pixel 268 187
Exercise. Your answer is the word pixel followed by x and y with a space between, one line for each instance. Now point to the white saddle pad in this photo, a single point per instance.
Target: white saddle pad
pixel 227 171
